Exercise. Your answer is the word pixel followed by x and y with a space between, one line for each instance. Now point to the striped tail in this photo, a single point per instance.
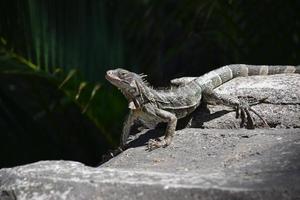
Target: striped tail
pixel 228 72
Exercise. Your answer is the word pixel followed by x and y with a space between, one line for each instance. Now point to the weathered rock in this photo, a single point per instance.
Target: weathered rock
pixel 199 164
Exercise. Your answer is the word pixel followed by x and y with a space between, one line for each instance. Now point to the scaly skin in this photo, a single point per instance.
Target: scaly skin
pixel 152 106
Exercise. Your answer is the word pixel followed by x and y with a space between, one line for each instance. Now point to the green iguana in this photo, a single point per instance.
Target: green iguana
pixel 152 106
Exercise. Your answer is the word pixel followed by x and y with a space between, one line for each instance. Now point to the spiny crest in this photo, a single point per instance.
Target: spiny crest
pixel 142 75
pixel 143 78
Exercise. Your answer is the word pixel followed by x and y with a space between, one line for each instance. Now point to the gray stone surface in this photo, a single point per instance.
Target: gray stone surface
pixel 199 164
pixel 206 163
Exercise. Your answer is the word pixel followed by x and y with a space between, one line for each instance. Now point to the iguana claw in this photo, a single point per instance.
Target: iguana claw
pixel 243 110
pixel 156 143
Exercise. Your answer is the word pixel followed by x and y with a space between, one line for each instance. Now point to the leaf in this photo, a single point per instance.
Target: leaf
pixel 3 41
pixel 81 87
pixel 69 76
pixel 95 89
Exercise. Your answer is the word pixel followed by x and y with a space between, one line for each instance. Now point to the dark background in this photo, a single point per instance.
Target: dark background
pixel 162 38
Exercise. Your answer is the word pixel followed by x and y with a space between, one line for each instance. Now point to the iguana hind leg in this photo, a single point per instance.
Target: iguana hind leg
pixel 241 104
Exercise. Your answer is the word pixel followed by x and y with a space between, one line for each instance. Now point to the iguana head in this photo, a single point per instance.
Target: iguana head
pixel 130 83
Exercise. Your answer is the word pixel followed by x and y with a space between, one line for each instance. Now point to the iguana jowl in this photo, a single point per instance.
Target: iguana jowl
pixel 154 106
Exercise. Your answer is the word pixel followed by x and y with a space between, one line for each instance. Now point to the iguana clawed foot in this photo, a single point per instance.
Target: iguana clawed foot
pixel 243 110
pixel 157 143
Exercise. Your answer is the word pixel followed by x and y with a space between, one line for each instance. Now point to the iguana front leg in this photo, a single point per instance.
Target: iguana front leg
pixel 241 104
pixel 131 117
pixel 171 119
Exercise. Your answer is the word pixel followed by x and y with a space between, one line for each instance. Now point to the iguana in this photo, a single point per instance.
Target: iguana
pixel 152 106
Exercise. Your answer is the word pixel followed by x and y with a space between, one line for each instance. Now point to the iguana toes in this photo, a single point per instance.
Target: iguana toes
pixel 152 106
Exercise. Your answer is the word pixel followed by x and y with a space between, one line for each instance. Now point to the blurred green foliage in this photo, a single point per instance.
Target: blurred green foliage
pixel 90 97
pixel 74 42
pixel 53 115
pixel 167 38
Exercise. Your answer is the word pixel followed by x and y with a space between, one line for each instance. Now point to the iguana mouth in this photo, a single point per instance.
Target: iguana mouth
pixel 112 78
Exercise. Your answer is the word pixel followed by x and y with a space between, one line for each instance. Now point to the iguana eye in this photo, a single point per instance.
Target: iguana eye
pixel 123 74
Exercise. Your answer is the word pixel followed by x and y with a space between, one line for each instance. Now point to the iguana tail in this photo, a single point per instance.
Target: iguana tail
pixel 221 75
